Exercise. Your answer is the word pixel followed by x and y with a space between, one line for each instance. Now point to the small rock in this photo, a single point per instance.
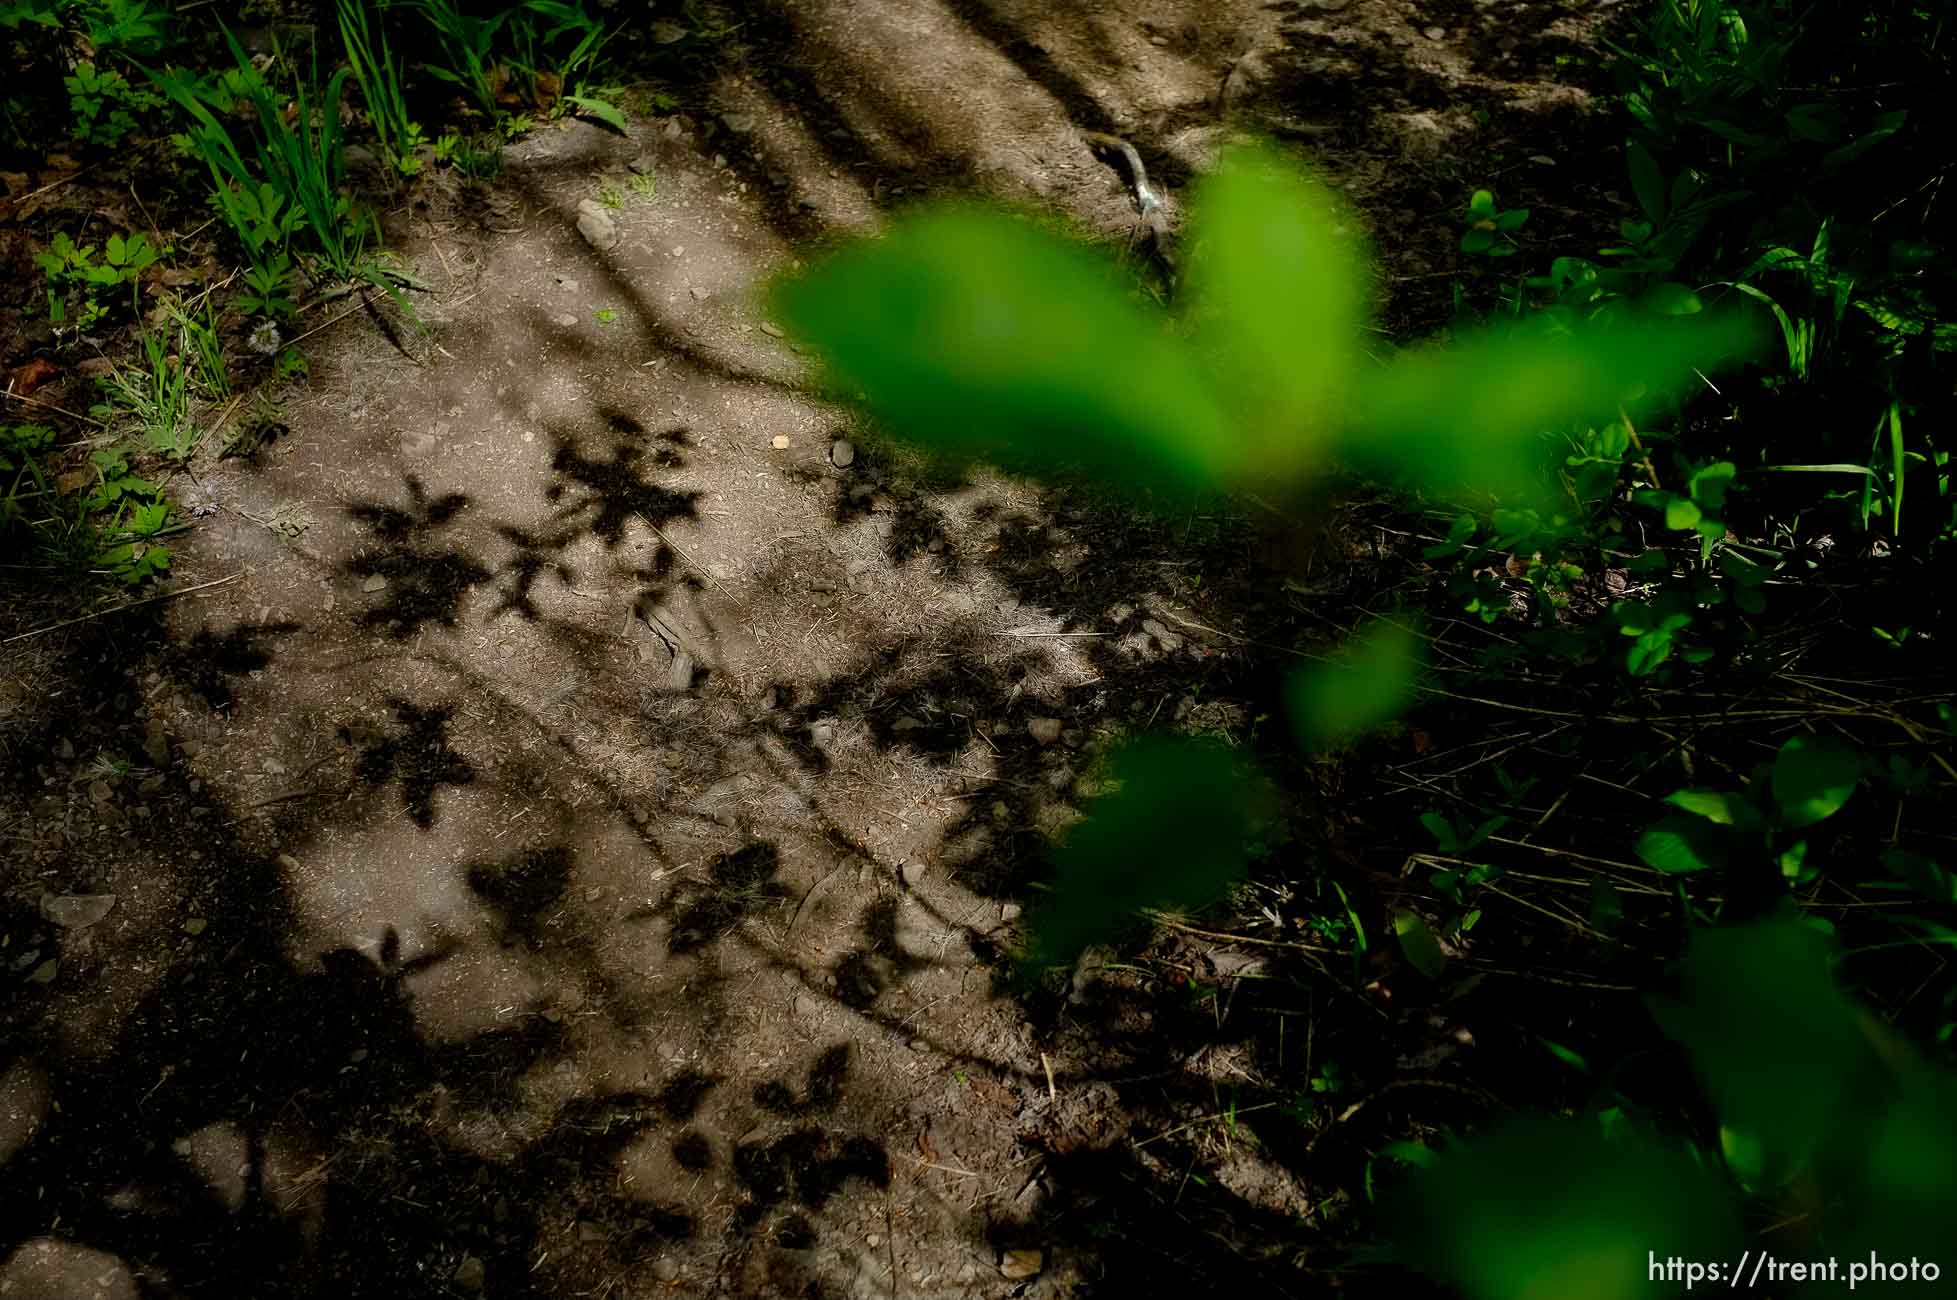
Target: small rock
pixel 842 453
pixel 643 165
pixel 1044 730
pixel 45 972
pixel 1017 1265
pixel 65 750
pixel 738 123
pixel 666 1269
pixel 567 284
pixel 806 1006
pixel 1542 160
pixel 469 1273
pixel 195 926
pixel 1434 33
pixel 273 767
pixel 919 1045
pixel 667 32
pixel 1158 40
pixel 913 874
pixel 76 911
pixel 699 294
pixel 822 733
pixel 771 329
pixel 99 791
pixel 1010 911
pixel 565 319
pixel 157 746
pixel 779 442
pixel 598 229
pixel 906 723
pixel 873 1240
pixel 375 583
pixel 94 367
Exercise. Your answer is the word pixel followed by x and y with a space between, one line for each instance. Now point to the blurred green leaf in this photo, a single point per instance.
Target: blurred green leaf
pixel 1774 1042
pixel 1925 875
pixel 1606 906
pixel 1682 844
pixel 1722 806
pixel 1368 681
pixel 980 334
pixel 1813 777
pixel 1648 182
pixel 1174 833
pixel 1470 416
pixel 1418 944
pixel 1546 1208
pixel 1276 287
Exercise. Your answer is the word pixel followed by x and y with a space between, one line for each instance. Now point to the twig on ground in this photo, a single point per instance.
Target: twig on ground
pixel 104 613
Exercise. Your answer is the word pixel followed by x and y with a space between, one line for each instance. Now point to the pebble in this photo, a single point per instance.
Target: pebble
pixel 375 583
pixel 738 123
pixel 642 165
pixel 822 733
pixel 1010 911
pixel 566 319
pixel 913 874
pixel 779 442
pixel 76 911
pixel 806 1006
pixel 195 926
pixel 598 229
pixel 842 453
pixel 1434 33
pixel 469 1273
pixel 919 1045
pixel 1044 730
pixel 906 723
pixel 772 330
pixel 1016 1265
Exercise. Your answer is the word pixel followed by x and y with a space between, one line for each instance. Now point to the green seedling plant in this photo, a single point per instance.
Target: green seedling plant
pixel 1491 230
pixel 611 196
pixel 297 183
pixel 1051 366
pixel 105 107
pixel 644 184
pixel 1808 781
pixel 202 349
pixel 153 399
pixel 467 45
pixel 380 77
pixel 570 70
pixel 267 289
pixel 77 281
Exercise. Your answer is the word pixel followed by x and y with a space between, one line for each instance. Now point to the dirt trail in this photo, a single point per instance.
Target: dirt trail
pixel 619 780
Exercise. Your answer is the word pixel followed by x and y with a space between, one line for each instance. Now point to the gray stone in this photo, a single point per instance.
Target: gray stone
pixel 1044 730
pixel 76 911
pixel 598 229
pixel 842 453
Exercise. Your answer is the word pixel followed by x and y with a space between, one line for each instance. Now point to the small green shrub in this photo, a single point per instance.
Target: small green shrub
pixel 78 284
pixel 106 107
